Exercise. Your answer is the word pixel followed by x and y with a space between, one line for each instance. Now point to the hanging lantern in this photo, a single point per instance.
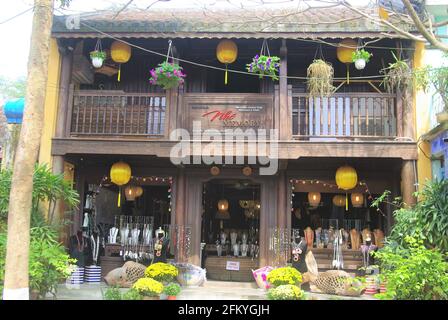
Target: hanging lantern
pixel 298 213
pixel 314 198
pixel 344 53
pixel 130 193
pixel 215 171
pixel 120 52
pixel 13 110
pixel 357 200
pixel 226 52
pixel 223 205
pixel 120 174
pixel 247 171
pixel 339 200
pixel 346 179
pixel 138 191
pixel 383 13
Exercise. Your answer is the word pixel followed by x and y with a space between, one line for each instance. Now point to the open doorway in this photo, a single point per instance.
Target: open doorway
pixel 230 228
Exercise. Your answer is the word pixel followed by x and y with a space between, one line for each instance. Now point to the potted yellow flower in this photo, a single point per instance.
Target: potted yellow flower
pixel 149 288
pixel 162 272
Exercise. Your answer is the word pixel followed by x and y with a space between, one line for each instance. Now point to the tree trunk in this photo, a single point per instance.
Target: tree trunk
pixel 16 286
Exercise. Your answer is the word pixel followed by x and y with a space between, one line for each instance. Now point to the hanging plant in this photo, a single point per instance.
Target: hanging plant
pixel 361 58
pixel 320 78
pixel 399 75
pixel 168 74
pixel 264 64
pixel 98 55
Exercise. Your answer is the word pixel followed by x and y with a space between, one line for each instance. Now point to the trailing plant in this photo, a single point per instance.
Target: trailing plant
pixel 148 287
pixel 167 75
pixel 413 272
pixel 163 272
pixel 438 77
pixel 286 292
pixel 285 275
pixel 172 289
pixel 361 54
pixel 265 66
pixel 113 293
pixel 98 54
pixel 320 78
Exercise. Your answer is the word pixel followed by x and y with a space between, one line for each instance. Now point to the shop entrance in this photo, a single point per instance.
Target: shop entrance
pixel 230 229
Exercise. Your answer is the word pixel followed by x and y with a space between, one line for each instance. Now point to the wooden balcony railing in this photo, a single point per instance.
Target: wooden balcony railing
pixel 344 115
pixel 115 113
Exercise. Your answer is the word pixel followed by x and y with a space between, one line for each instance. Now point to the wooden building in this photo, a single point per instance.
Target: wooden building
pixel 99 121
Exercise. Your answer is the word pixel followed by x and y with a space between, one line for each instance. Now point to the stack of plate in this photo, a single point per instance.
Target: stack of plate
pixel 92 274
pixel 77 276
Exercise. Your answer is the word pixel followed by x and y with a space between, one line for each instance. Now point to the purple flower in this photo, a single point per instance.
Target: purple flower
pixel 256 57
pixel 168 74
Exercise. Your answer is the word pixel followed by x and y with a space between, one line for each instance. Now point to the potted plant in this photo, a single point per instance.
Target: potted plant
pixel 265 66
pixel 286 292
pixel 360 58
pixel 172 290
pixel 320 78
pixel 167 75
pixel 285 275
pixel 148 288
pixel 162 272
pixel 98 58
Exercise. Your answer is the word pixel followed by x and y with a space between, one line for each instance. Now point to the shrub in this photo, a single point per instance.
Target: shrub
pixel 112 293
pixel 283 276
pixel 413 272
pixel 148 287
pixel 163 272
pixel 131 294
pixel 286 292
pixel 172 289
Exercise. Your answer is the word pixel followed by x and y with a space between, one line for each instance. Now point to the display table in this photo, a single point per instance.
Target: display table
pixel 230 268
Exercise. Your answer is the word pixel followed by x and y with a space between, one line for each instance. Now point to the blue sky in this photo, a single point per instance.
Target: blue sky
pixel 15 34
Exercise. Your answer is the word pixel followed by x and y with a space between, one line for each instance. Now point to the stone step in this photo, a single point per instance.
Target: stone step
pixel 230 284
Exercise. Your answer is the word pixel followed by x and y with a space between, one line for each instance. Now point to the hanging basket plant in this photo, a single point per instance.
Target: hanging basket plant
pixel 168 74
pixel 264 64
pixel 361 58
pixel 98 55
pixel 320 78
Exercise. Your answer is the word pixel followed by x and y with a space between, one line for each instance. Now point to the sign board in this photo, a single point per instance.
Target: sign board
pixel 233 265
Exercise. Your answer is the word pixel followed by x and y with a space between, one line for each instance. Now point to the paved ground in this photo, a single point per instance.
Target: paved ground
pixel 213 290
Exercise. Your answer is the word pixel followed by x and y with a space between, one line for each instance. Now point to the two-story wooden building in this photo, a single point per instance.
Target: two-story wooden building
pixel 94 120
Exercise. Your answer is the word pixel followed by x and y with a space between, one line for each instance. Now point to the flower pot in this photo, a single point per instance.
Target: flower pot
pixel 151 298
pixel 171 298
pixel 360 64
pixel 442 117
pixel 97 62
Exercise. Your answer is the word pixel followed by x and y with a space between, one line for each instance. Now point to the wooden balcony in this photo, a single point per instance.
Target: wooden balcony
pixel 115 113
pixel 344 116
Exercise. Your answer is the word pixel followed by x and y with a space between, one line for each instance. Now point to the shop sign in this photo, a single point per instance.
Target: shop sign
pixel 233 265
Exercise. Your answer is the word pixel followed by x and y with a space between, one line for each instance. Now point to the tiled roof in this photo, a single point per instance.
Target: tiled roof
pixel 334 22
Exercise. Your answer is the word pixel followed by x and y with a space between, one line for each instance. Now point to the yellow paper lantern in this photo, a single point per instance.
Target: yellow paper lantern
pixel 344 53
pixel 226 52
pixel 138 191
pixel 346 179
pixel 120 52
pixel 314 198
pixel 120 174
pixel 223 205
pixel 339 200
pixel 382 12
pixel 357 200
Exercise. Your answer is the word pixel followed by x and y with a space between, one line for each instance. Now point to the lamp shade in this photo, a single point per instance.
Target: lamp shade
pixel 223 205
pixel 357 200
pixel 130 193
pixel 120 173
pixel 13 110
pixel 345 50
pixel 346 178
pixel 138 191
pixel 120 52
pixel 314 198
pixel 339 200
pixel 226 51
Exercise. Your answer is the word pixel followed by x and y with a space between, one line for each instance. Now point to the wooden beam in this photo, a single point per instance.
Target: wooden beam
pixel 285 117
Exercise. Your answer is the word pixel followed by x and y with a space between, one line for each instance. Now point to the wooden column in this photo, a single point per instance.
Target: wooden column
pixel 285 116
pixel 281 200
pixel 408 182
pixel 179 209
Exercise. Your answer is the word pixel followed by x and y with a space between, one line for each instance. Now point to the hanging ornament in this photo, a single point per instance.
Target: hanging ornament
pixel 226 52
pixel 357 200
pixel 344 53
pixel 223 205
pixel 120 174
pixel 339 200
pixel 314 198
pixel 346 179
pixel 247 171
pixel 214 171
pixel 98 55
pixel 130 193
pixel 120 52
